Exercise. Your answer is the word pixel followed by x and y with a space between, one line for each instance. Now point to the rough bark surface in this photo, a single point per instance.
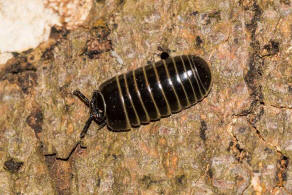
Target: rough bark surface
pixel 238 140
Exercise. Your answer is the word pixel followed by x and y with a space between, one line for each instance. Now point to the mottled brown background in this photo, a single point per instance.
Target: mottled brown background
pixel 238 140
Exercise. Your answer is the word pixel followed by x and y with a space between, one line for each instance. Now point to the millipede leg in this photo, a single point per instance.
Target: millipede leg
pixel 81 97
pixel 164 55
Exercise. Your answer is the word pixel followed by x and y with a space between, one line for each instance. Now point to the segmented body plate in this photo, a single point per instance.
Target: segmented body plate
pixel 154 91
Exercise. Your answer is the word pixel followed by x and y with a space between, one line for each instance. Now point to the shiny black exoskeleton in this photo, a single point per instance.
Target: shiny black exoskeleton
pixel 148 93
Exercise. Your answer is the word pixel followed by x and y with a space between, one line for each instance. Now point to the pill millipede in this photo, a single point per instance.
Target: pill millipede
pixel 148 93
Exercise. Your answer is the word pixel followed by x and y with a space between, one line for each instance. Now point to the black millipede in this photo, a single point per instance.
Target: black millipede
pixel 148 93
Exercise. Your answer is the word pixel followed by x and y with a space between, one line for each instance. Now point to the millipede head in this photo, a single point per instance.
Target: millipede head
pixel 97 109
